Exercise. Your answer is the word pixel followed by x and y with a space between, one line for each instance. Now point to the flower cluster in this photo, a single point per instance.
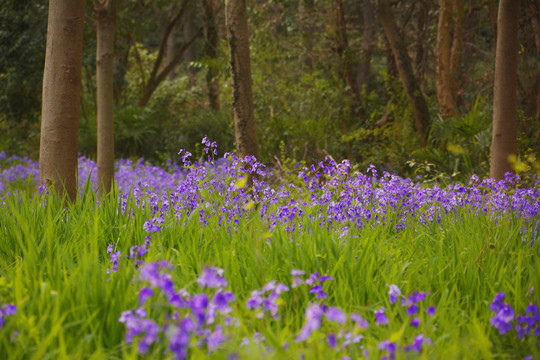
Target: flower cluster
pixel 206 319
pixel 266 299
pixel 201 316
pixel 504 318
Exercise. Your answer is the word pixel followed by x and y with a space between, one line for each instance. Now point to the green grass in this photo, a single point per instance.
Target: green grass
pixel 53 266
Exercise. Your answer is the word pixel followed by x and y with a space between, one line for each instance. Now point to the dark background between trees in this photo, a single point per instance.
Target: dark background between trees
pixel 325 81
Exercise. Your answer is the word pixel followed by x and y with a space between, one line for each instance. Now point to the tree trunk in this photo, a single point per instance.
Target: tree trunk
pixel 61 97
pixel 449 48
pixel 504 140
pixel 106 19
pixel 212 44
pixel 244 118
pixel 157 77
pixel 368 41
pixel 403 62
pixel 189 54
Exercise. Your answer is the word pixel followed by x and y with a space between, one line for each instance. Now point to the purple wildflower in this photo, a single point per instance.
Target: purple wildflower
pixel 380 317
pixel 212 277
pixel 336 315
pixel 394 292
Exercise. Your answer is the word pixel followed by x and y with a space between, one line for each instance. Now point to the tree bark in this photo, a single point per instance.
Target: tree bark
pixel 106 19
pixel 406 74
pixel 368 42
pixel 61 97
pixel 211 48
pixel 244 118
pixel 504 140
pixel 449 47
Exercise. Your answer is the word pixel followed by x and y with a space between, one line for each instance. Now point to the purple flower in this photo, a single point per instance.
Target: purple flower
pixel 498 301
pixel 9 310
pixel 331 340
pixel 359 320
pixel 255 300
pixel 394 292
pixel 325 278
pixel 318 289
pixel 431 310
pixel 412 309
pixel 415 322
pixel 211 277
pixel 417 343
pixel 296 272
pixel 380 317
pixel 314 313
pixel 336 315
pixel 215 339
pixel 531 309
pixel 390 347
pixel 144 294
pixel 502 320
pixel 416 297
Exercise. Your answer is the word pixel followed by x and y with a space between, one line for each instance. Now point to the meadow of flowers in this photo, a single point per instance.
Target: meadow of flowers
pixel 324 261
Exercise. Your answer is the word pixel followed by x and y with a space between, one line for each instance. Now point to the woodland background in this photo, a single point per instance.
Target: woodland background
pixel 325 82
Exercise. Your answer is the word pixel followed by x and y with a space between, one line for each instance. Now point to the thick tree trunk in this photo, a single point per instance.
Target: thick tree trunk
pixel 504 140
pixel 406 74
pixel 61 97
pixel 449 48
pixel 368 42
pixel 106 19
pixel 244 118
pixel 212 44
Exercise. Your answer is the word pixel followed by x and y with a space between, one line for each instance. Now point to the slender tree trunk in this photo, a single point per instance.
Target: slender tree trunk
pixel 106 19
pixel 244 118
pixel 212 44
pixel 403 62
pixel 189 54
pixel 449 48
pixel 368 42
pixel 61 97
pixel 504 140
pixel 157 77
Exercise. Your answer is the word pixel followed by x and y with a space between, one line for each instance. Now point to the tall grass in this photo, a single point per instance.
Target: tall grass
pixel 54 262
